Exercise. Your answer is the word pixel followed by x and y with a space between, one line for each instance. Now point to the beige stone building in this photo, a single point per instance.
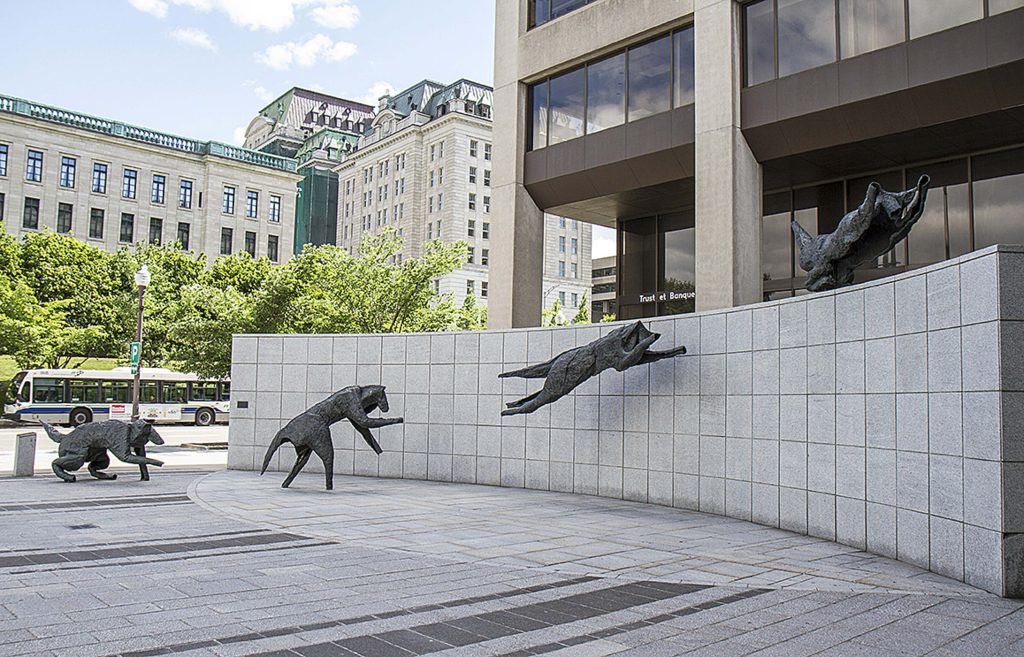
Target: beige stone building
pixel 112 185
pixel 424 168
pixel 699 129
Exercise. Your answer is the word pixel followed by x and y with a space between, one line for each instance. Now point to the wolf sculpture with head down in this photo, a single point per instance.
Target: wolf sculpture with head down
pixel 311 431
pixel 621 349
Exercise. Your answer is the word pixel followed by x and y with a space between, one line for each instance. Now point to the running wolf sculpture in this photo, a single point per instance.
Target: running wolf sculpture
pixel 621 349
pixel 89 444
pixel 311 431
pixel 870 231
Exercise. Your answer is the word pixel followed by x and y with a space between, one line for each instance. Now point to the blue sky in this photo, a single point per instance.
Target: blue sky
pixel 203 68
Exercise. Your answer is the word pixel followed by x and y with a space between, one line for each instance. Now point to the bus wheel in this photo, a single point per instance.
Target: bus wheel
pixel 80 416
pixel 204 417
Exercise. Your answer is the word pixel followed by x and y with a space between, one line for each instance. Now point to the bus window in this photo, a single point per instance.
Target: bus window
pixel 117 392
pixel 49 391
pixel 175 393
pixel 85 391
pixel 225 391
pixel 204 391
pixel 149 392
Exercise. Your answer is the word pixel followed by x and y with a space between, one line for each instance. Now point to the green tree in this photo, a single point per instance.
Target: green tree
pixel 582 311
pixel 39 335
pixel 472 316
pixel 205 319
pixel 554 316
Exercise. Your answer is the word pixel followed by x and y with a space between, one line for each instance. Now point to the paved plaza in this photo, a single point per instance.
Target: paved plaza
pixel 227 563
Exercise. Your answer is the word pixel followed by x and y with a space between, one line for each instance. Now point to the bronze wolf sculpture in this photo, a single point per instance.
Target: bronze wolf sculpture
pixel 89 443
pixel 311 431
pixel 873 229
pixel 621 349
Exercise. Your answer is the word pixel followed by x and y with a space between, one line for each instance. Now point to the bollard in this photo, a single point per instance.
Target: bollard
pixel 25 455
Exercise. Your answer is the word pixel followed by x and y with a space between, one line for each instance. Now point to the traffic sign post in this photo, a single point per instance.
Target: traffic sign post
pixel 136 353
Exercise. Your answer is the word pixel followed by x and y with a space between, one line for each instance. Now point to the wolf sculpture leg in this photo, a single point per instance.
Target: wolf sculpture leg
pixel 321 444
pixel 65 463
pixel 98 464
pixel 301 456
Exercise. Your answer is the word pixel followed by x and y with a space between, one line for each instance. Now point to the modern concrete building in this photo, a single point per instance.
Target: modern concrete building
pixel 423 167
pixel 111 184
pixel 700 128
pixel 603 297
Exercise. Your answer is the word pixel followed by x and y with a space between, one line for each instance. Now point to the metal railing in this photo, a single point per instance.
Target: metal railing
pixel 13 105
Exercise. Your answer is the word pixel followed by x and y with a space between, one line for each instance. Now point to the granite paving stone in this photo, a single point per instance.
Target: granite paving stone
pixel 228 564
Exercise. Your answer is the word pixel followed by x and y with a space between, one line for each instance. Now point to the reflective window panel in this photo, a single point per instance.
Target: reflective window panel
pixel 566 111
pixel 683 63
pixel 606 93
pixel 776 238
pixel 807 34
pixel 998 198
pixel 866 25
pixel 539 114
pixel 760 42
pixel 650 78
pixel 929 16
pixel 679 262
pixel 948 205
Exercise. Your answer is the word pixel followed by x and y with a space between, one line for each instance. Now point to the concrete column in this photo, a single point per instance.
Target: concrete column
pixel 728 178
pixel 25 455
pixel 516 273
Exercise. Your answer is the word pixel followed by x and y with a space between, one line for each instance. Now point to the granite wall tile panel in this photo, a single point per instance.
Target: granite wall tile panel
pixel 888 416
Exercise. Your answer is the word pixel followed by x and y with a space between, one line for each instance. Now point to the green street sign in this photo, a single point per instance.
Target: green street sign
pixel 136 353
pixel 135 370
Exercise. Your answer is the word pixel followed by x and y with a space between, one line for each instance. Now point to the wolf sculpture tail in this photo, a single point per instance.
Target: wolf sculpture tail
pixel 54 435
pixel 274 445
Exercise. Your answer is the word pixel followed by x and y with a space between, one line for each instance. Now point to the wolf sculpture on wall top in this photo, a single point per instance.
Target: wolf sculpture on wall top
pixel 310 431
pixel 864 234
pixel 621 349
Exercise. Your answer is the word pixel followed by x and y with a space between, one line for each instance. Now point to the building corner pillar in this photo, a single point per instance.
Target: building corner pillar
pixel 516 268
pixel 728 177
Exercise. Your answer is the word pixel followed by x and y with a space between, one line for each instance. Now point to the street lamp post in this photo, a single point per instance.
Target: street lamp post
pixel 142 278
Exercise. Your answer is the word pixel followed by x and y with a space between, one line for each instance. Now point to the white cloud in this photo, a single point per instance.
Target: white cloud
pixel 238 136
pixel 376 90
pixel 156 8
pixel 336 15
pixel 604 242
pixel 319 48
pixel 261 92
pixel 190 36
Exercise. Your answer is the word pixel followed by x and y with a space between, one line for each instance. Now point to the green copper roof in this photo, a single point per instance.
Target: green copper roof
pixel 81 121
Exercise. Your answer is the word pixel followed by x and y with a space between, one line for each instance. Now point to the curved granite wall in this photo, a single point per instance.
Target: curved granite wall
pixel 886 416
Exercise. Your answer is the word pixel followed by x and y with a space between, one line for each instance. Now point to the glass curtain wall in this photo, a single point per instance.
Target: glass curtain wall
pixel 641 81
pixel 783 37
pixel 973 202
pixel 657 265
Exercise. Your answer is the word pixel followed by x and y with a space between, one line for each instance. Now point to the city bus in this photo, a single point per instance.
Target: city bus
pixel 75 397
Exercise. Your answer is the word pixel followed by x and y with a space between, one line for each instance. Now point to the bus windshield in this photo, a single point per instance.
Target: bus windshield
pixel 10 391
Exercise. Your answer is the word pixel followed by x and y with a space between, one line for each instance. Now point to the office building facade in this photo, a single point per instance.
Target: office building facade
pixel 699 129
pixel 113 185
pixel 603 291
pixel 424 169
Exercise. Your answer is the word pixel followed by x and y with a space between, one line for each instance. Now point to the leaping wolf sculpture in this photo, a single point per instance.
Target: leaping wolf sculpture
pixel 873 229
pixel 621 349
pixel 311 431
